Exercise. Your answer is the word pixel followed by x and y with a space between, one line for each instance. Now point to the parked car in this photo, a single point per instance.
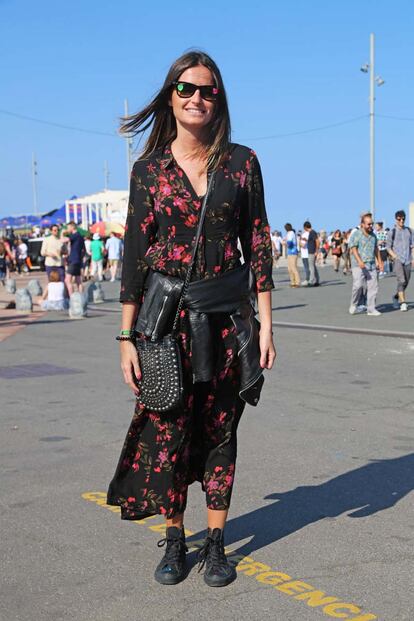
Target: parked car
pixel 36 261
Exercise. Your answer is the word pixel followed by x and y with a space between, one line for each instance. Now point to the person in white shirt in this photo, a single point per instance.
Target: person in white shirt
pixel 113 247
pixel 304 254
pixel 55 296
pixel 21 256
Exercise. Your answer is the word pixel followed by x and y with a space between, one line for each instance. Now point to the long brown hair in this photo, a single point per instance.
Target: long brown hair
pixel 159 114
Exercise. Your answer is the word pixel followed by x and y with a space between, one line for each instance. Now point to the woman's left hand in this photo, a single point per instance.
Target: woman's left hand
pixel 267 349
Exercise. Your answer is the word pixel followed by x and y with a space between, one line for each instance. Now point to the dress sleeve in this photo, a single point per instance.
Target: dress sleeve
pixel 140 230
pixel 254 228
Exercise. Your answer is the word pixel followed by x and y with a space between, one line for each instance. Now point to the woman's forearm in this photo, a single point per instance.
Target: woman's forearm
pixel 129 315
pixel 264 303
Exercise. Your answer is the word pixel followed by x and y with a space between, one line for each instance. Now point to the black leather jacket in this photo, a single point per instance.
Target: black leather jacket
pixel 229 293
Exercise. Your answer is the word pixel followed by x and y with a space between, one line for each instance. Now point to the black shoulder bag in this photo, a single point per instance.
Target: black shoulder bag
pixel 161 384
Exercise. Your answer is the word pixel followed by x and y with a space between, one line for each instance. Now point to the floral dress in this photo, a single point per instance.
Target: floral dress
pixel 164 452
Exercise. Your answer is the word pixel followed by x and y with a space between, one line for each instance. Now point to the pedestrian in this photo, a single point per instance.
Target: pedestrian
pixel 364 255
pixel 21 256
pixel 164 453
pixel 113 248
pixel 75 258
pixel 276 247
pixel 304 255
pixel 336 249
pixel 52 251
pixel 382 236
pixel 97 250
pixel 323 247
pixel 55 295
pixel 313 249
pixel 87 257
pixel 3 263
pixel 292 255
pixel 346 256
pixel 400 245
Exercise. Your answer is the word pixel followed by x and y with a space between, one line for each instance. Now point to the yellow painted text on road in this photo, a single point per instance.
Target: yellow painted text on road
pixel 303 592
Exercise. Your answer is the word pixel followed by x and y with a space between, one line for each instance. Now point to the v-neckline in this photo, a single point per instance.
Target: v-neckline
pixel 187 181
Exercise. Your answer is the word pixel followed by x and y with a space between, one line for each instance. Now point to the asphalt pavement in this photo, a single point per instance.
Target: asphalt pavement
pixel 321 519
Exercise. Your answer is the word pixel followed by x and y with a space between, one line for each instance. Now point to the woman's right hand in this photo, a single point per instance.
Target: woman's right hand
pixel 130 365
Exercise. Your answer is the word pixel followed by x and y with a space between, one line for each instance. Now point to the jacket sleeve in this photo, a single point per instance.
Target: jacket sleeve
pixel 254 227
pixel 140 230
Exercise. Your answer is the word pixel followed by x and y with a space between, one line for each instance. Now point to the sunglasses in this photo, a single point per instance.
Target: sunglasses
pixel 186 90
pixel 401 218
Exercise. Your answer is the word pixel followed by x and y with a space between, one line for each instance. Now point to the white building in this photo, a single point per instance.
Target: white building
pixel 411 215
pixel 106 206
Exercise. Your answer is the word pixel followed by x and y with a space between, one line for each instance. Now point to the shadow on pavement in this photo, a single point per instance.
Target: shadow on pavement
pixel 377 486
pixel 278 308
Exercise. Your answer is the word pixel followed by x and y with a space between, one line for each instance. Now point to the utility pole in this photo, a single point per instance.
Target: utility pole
pixel 128 145
pixel 373 80
pixel 106 174
pixel 34 182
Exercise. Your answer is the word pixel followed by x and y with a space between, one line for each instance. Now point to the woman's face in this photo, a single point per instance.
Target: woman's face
pixel 194 112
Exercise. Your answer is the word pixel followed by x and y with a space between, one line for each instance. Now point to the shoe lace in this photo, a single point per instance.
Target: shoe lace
pixel 175 545
pixel 213 550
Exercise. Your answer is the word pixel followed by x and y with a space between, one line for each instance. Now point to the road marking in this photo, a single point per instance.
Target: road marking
pixel 328 605
pixel 367 332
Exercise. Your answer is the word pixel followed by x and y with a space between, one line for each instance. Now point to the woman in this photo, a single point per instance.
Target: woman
pixel 164 452
pixel 336 249
pixel 292 255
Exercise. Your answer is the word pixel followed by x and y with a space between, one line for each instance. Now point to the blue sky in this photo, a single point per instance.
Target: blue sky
pixel 287 66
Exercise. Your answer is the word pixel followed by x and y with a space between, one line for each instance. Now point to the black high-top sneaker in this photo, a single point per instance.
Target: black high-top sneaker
pixel 218 570
pixel 172 567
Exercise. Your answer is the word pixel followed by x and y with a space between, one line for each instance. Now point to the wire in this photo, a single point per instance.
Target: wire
pixel 396 118
pixel 314 129
pixel 70 127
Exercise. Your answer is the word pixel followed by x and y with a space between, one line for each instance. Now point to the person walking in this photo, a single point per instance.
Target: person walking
pixel 304 255
pixel 97 250
pixel 382 237
pixel 292 255
pixel 75 258
pixel 113 247
pixel 313 250
pixel 187 150
pixel 400 245
pixel 336 249
pixel 364 255
pixel 22 252
pixel 52 251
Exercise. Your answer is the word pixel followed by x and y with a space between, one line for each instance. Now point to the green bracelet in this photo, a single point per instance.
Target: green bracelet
pixel 126 332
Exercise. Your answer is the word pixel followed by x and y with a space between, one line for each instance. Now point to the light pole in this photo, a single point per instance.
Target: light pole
pixel 34 182
pixel 373 80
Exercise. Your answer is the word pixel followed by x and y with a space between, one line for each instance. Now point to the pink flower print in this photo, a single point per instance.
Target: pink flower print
pixel 131 499
pixel 157 205
pixel 217 268
pixel 157 469
pixel 191 220
pixel 242 179
pixel 162 456
pixel 168 211
pixel 218 469
pixel 162 510
pixel 224 333
pixel 228 251
pixel 152 189
pixel 229 480
pixel 166 189
pixel 135 467
pixel 212 485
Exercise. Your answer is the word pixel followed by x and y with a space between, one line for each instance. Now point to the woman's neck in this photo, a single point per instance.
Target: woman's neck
pixel 188 144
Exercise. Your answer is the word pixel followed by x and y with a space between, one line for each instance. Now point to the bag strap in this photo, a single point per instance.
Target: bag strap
pixel 203 210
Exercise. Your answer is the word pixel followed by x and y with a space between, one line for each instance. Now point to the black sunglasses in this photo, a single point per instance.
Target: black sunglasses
pixel 400 218
pixel 186 90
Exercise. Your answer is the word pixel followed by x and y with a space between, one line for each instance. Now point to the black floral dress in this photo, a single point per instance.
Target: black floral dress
pixel 164 452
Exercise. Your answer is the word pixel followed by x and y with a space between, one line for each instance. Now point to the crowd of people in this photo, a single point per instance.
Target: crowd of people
pixel 364 252
pixel 70 259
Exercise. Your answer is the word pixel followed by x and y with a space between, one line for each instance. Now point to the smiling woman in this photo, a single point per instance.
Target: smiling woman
pixel 194 196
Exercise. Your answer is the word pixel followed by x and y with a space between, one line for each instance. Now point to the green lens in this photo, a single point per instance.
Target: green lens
pixel 180 87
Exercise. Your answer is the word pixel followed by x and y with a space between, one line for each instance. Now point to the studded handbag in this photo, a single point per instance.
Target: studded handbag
pixel 161 385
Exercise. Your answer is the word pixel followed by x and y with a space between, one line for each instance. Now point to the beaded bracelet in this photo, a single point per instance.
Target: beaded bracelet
pixel 125 338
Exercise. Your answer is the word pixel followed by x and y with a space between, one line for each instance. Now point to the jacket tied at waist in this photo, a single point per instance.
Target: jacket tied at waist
pixel 229 293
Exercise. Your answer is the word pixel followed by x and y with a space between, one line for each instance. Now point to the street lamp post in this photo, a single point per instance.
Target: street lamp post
pixel 128 145
pixel 373 80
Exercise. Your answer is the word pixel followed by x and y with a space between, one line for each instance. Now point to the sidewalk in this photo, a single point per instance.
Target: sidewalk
pixel 11 321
